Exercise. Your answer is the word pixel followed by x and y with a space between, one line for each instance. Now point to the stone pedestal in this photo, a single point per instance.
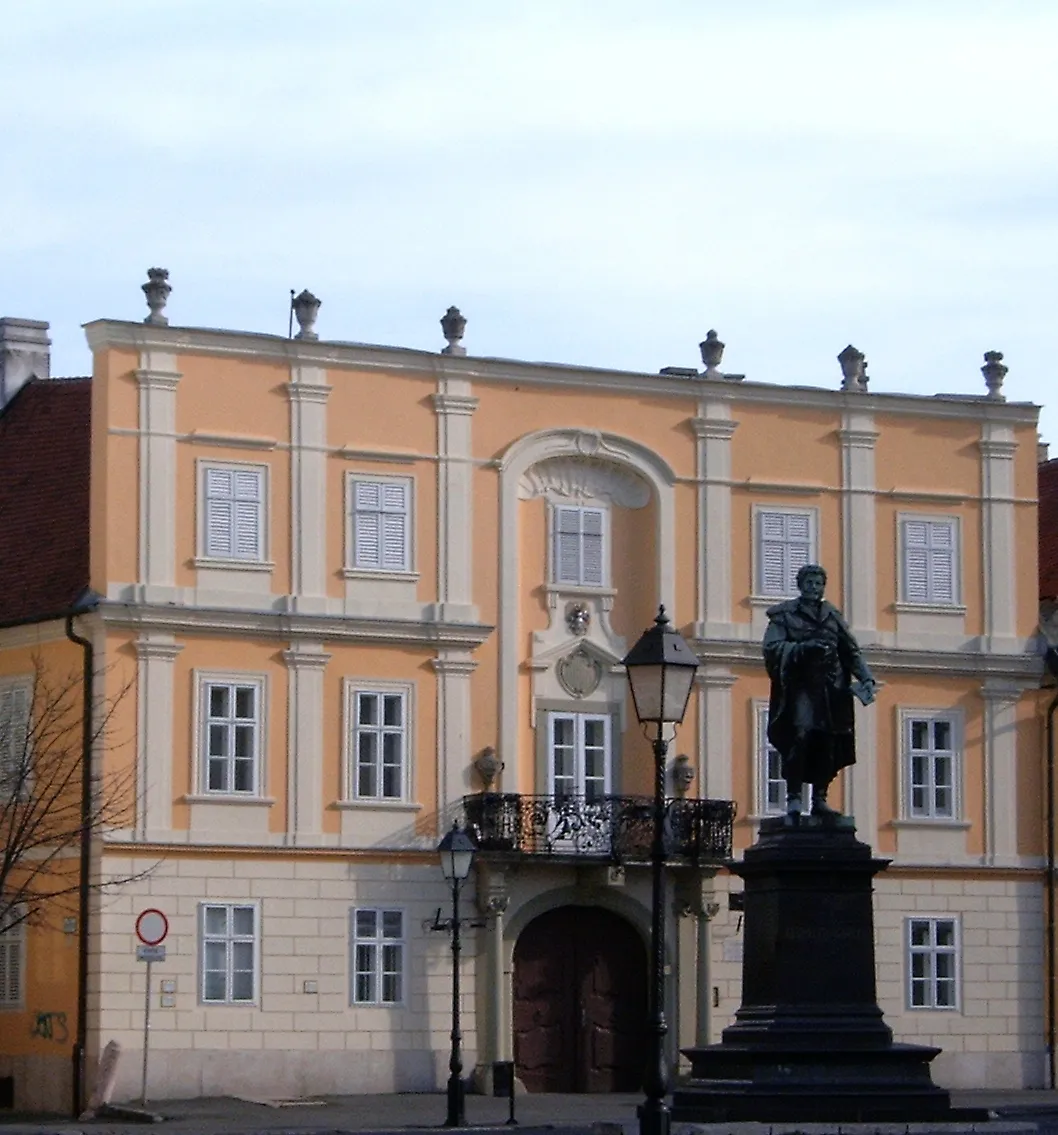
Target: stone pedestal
pixel 809 1043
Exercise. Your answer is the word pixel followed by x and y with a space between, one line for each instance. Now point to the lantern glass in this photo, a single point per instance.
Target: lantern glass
pixel 661 668
pixel 457 854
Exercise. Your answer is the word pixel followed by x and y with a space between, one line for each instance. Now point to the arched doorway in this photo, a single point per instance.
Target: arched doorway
pixel 580 998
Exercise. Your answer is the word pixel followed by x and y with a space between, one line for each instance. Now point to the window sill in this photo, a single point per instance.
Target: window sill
pixel 954 609
pixel 368 573
pixel 227 798
pixel 931 822
pixel 762 601
pixel 379 805
pixel 214 564
pixel 576 589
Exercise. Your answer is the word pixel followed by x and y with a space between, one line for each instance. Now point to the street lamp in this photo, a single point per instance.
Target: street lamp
pixel 660 670
pixel 457 854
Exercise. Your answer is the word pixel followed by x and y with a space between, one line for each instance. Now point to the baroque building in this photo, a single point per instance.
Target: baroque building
pixel 338 595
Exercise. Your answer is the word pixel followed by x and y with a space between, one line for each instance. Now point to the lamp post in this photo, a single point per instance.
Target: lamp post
pixel 457 854
pixel 660 670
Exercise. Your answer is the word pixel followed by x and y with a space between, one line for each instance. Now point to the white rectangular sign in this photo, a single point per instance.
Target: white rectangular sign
pixel 150 953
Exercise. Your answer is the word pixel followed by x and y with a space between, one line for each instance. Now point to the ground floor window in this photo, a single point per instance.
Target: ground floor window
pixel 378 956
pixel 229 940
pixel 933 963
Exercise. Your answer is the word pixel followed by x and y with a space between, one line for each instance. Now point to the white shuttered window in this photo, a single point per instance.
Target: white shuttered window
pixel 579 537
pixel 15 699
pixel 929 550
pixel 234 508
pixel 784 545
pixel 381 525
pixel 12 962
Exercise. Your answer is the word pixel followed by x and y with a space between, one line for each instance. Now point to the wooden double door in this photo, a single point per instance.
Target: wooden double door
pixel 580 1002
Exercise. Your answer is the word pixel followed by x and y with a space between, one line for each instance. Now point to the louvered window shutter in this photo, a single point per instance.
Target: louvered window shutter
pixel 14 728
pixel 234 499
pixel 941 563
pixel 394 527
pixel 11 966
pixel 916 561
pixel 380 525
pixel 567 545
pixel 592 520
pixel 784 546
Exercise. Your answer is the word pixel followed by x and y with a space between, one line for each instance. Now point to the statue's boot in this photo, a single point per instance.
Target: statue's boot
pixel 820 807
pixel 793 803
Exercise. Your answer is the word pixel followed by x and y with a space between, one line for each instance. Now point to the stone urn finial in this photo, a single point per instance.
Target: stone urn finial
pixel 853 370
pixel 453 324
pixel 712 353
pixel 488 765
pixel 157 291
pixel 994 372
pixel 306 308
pixel 682 774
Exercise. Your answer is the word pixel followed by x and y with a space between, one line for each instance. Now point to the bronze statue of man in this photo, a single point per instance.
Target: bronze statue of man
pixel 816 669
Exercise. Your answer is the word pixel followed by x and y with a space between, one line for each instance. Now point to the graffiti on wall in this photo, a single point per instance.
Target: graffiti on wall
pixel 50 1026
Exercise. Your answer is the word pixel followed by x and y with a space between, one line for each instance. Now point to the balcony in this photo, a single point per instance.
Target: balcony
pixel 615 829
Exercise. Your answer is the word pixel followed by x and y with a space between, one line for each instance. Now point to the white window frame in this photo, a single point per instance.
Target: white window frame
pixel 354 688
pixel 230 939
pixel 376 945
pixel 930 813
pixel 758 514
pixel 555 509
pixel 929 601
pixel 768 762
pixel 406 567
pixel 580 720
pixel 14 745
pixel 210 557
pixel 204 681
pixel 931 952
pixel 13 945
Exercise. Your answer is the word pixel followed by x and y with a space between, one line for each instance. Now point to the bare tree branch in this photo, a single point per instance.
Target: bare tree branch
pixel 42 814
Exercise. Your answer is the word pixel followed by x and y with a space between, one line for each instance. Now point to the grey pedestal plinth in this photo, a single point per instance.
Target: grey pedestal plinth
pixel 809 1043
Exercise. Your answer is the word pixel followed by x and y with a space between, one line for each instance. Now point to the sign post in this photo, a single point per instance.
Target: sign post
pixel 151 929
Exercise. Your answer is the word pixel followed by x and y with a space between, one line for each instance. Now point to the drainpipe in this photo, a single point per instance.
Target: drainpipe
pixel 83 881
pixel 1051 659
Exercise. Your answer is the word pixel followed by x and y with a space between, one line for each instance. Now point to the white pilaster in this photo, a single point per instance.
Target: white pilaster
pixel 454 407
pixel 704 915
pixel 306 662
pixel 998 545
pixel 999 736
pixel 861 779
pixel 453 668
pixel 308 392
pixel 157 378
pixel 156 653
pixel 714 725
pixel 858 436
pixel 714 430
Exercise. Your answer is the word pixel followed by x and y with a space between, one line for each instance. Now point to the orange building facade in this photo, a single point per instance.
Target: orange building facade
pixel 348 594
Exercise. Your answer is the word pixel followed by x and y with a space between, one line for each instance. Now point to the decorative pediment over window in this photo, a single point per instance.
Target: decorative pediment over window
pixel 585 478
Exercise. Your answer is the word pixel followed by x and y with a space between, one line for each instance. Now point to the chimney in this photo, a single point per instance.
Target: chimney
pixel 24 354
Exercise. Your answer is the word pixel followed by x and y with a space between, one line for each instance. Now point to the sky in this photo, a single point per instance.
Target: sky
pixel 596 182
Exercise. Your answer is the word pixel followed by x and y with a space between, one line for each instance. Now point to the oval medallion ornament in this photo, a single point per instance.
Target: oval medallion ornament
pixel 579 673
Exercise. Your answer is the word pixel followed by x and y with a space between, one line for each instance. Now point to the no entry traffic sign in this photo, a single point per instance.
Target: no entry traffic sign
pixel 152 927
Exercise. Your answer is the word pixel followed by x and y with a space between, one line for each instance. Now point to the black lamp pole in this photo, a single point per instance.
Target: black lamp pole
pixel 660 669
pixel 457 1113
pixel 457 853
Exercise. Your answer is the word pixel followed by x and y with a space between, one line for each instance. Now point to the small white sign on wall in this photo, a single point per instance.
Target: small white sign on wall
pixel 732 950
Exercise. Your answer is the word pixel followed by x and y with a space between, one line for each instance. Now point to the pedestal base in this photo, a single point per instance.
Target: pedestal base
pixel 809 1043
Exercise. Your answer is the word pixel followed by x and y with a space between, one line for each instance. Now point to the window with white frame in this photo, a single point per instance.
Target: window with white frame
pixel 578 541
pixel 579 754
pixel 377 946
pixel 234 512
pixel 929 552
pixel 12 959
pixel 379 737
pixel 15 698
pixel 229 938
pixel 932 963
pixel 771 786
pixel 785 544
pixel 931 766
pixel 380 524
pixel 231 744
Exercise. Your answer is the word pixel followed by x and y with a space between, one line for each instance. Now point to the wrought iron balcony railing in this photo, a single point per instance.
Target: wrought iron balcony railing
pixel 619 829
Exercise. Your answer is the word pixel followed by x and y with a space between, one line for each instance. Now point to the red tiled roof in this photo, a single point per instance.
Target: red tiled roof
pixel 1048 492
pixel 45 445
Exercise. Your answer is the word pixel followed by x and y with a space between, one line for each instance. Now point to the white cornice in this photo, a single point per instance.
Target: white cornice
pixel 228 441
pixel 455 404
pixel 286 625
pixel 362 356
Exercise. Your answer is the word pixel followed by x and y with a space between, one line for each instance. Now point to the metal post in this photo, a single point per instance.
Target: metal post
pixel 654 1115
pixel 456 1100
pixel 146 1035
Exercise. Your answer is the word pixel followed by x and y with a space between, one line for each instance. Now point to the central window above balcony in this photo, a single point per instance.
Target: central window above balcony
pixel 579 755
pixel 580 546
